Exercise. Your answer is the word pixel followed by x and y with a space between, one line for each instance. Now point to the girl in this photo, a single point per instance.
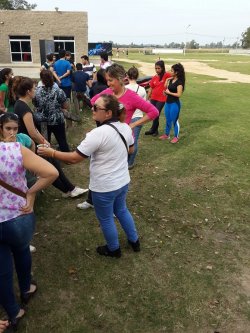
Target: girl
pixel 133 75
pixel 17 221
pixel 155 93
pixel 26 92
pixel 5 77
pixel 175 88
pixel 107 146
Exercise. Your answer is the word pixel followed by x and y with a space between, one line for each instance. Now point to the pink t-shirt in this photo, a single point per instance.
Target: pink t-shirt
pixel 12 172
pixel 132 101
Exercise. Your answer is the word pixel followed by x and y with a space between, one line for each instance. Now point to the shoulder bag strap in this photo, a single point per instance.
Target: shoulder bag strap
pixel 122 137
pixel 12 189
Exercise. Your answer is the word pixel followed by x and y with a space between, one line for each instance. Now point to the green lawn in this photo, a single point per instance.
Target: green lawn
pixel 234 63
pixel 190 202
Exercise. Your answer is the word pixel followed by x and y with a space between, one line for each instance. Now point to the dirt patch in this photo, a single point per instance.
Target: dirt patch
pixel 200 68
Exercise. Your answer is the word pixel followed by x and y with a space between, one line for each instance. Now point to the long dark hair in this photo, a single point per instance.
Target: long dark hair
pixel 3 73
pixel 47 78
pixel 180 73
pixel 24 85
pixel 161 64
pixel 5 118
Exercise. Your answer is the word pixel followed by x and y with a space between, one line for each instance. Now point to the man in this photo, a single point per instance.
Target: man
pixel 49 66
pixel 88 67
pixel 81 82
pixel 62 68
pixel 105 63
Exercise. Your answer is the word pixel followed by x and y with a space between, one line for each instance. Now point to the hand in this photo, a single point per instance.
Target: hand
pixel 30 200
pixel 3 325
pixel 132 126
pixel 167 91
pixel 46 143
pixel 44 151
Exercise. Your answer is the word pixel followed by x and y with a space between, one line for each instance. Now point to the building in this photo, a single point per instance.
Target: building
pixel 23 32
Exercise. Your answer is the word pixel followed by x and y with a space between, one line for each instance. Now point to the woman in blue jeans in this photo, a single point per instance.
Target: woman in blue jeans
pixel 17 220
pixel 107 146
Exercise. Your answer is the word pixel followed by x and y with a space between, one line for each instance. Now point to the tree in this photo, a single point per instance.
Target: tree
pixel 245 41
pixel 16 4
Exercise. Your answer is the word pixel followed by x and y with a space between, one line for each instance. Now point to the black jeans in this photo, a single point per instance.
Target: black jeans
pixel 89 198
pixel 62 183
pixel 60 135
pixel 159 106
pixel 67 91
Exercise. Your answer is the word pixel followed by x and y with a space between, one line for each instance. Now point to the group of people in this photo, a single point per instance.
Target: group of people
pixel 165 91
pixel 119 112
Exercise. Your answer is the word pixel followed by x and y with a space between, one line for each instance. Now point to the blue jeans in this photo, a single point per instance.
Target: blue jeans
pixel 105 205
pixel 172 111
pixel 136 132
pixel 15 237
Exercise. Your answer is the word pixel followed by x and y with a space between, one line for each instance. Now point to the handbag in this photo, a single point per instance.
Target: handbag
pixel 13 189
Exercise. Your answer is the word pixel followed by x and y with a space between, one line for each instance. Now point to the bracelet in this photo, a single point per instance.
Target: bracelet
pixel 53 153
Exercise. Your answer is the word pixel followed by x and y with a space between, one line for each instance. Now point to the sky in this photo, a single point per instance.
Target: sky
pixel 159 21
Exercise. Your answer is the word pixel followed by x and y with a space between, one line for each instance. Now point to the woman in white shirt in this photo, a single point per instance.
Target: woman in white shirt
pixel 107 146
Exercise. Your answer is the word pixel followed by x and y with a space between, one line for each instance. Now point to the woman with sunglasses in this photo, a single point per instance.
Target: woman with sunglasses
pixel 115 75
pixel 107 146
pixel 17 221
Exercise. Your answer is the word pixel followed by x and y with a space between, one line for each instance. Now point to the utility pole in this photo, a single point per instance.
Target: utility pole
pixel 185 46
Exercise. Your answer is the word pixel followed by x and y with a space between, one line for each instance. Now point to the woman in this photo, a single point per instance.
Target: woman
pixel 115 75
pixel 49 101
pixel 107 146
pixel 17 222
pixel 155 93
pixel 133 75
pixel 5 77
pixel 26 91
pixel 99 85
pixel 175 88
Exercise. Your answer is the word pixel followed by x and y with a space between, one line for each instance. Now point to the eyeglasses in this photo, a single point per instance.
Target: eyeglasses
pixel 96 108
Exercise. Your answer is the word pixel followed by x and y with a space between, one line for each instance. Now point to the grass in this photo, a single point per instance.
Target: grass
pixel 233 63
pixel 190 202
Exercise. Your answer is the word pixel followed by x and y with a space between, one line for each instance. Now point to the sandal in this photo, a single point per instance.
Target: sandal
pixel 25 298
pixel 13 323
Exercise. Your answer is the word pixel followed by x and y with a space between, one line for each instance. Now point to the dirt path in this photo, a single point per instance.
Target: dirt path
pixel 200 68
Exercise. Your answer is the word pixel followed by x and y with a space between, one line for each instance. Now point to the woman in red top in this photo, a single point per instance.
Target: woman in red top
pixel 155 93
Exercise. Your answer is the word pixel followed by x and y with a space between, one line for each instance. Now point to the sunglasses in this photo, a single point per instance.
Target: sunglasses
pixel 96 108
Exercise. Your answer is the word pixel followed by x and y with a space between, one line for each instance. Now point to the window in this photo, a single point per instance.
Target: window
pixel 20 48
pixel 64 43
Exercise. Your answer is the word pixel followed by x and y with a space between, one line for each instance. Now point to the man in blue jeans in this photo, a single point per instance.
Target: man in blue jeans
pixel 62 68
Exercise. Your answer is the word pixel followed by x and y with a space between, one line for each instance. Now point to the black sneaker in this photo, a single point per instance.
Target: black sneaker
pixel 149 132
pixel 135 245
pixel 155 133
pixel 104 251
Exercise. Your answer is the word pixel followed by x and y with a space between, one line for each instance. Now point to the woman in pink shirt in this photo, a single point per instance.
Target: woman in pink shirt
pixel 115 75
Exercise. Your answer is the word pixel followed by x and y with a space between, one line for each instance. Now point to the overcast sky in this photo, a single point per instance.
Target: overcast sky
pixel 159 21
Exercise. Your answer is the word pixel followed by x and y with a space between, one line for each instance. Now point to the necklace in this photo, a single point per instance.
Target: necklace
pixel 119 95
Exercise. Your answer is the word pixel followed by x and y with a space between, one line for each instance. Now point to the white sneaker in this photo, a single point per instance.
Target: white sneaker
pixel 84 205
pixel 75 193
pixel 32 249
